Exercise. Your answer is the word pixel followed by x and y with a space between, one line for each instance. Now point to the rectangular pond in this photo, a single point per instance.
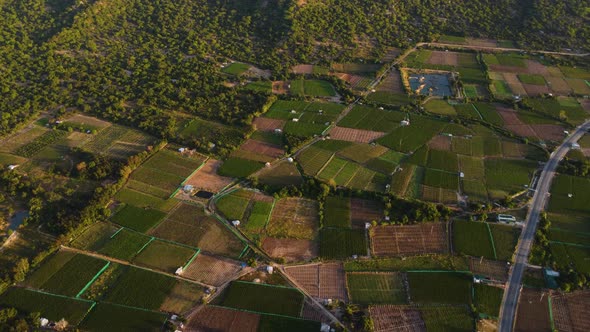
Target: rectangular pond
pixel 431 84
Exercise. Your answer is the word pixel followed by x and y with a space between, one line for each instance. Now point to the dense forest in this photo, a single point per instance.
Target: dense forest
pixel 138 61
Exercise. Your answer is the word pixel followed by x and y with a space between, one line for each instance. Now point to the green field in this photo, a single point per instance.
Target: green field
pixel 447 318
pixel 443 160
pixel 505 240
pixel 234 205
pixel 369 118
pixel 143 200
pixel 337 212
pixel 409 138
pixel 259 216
pixel 140 288
pixel 562 186
pixel 67 279
pixel 501 89
pixel 122 318
pixel 441 179
pixel 95 236
pixel 263 298
pixel 164 256
pixel 262 86
pixel 313 88
pixel 472 238
pixel 489 113
pixel 488 299
pixel 125 245
pixel 283 174
pixel 564 255
pixel 376 288
pixel 389 98
pixel 511 59
pixel 342 243
pixel 239 168
pixel 441 107
pixel 506 176
pixel 313 159
pixel 236 68
pixel 532 79
pixel 139 219
pixel 440 287
pixel 52 307
pixel 430 262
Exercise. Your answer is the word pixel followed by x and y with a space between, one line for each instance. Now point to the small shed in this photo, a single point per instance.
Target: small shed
pixel 236 223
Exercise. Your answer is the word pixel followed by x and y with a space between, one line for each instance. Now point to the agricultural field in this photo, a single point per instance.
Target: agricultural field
pixel 440 107
pixel 447 318
pixel 492 241
pixel 504 176
pixel 164 256
pixel 239 167
pixel 342 243
pixel 373 119
pixel 425 238
pixel 410 138
pixel 494 270
pixel 313 159
pixel 312 88
pixel 66 273
pixel 139 219
pixel 323 280
pixel 562 186
pixel 440 287
pixel 282 174
pixel 533 311
pixel 236 68
pixel 391 317
pixel 376 288
pixel 365 211
pixel 214 318
pixel 95 236
pixel 53 307
pixel 488 299
pixel 125 244
pixel 263 298
pixel 303 119
pixel 207 179
pixel 570 311
pixel 234 205
pixel 212 270
pixel 337 212
pixel 295 218
pixel 291 250
pixel 191 226
pixel 122 318
pixel 118 142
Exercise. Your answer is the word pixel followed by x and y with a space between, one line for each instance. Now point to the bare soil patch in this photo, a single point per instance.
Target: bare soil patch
pixel 535 67
pixel 535 90
pixel 325 281
pixel 396 318
pixel 212 270
pixel 280 87
pixel 533 311
pixel 481 42
pixel 207 179
pixel 409 239
pixel 558 85
pixel 266 124
pixel 392 82
pixel 494 270
pixel 549 132
pixel 571 311
pixel 292 250
pixel 263 148
pixel 355 135
pixel 513 123
pixel 302 69
pixel 440 142
pixel 585 104
pixel 217 319
pixel 444 58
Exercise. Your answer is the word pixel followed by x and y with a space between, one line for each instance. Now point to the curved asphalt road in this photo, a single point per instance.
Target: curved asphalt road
pixel 510 300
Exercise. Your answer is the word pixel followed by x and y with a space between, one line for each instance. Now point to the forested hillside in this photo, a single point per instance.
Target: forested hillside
pixel 135 61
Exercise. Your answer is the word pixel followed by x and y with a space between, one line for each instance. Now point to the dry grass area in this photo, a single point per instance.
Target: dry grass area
pixel 302 69
pixel 363 211
pixel 266 124
pixel 280 87
pixel 426 238
pixel 444 58
pixel 294 218
pixel 440 142
pixel 495 270
pixel 292 250
pixel 207 179
pixel 212 270
pixel 355 135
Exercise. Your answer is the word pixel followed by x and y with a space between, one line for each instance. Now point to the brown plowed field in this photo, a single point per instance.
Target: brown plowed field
pixel 325 281
pixel 535 90
pixel 263 148
pixel 444 58
pixel 294 218
pixel 402 240
pixel 585 104
pixel 513 123
pixel 216 319
pixel 353 80
pixel 212 270
pixel 207 179
pixel 571 311
pixel 535 67
pixel 302 69
pixel 558 85
pixel 494 270
pixel 292 250
pixel 509 69
pixel 388 318
pixel 310 312
pixel 533 311
pixel 355 135
pixel 362 211
pixel 481 42
pixel 549 132
pixel 440 142
pixel 266 124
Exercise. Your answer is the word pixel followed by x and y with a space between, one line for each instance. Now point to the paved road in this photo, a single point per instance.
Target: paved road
pixel 511 295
